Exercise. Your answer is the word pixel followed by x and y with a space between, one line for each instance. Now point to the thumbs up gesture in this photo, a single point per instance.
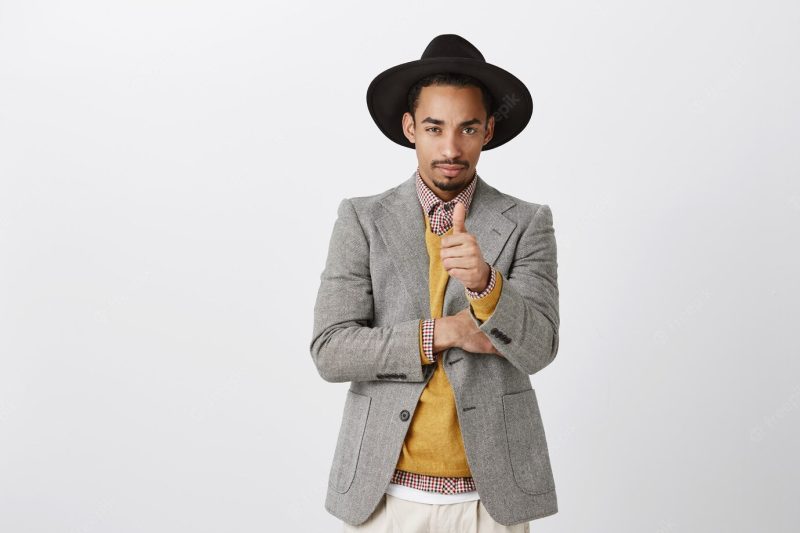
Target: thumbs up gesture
pixel 461 255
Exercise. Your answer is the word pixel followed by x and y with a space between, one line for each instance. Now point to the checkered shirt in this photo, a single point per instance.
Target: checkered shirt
pixel 442 485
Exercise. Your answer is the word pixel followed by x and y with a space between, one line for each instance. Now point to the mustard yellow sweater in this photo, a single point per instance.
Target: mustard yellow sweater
pixel 433 444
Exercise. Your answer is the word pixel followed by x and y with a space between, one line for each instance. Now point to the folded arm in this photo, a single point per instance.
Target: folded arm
pixel 345 346
pixel 482 303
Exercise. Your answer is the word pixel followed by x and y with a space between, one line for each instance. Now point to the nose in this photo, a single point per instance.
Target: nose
pixel 451 149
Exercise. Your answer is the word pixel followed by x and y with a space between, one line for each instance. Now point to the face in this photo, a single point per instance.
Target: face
pixel 449 129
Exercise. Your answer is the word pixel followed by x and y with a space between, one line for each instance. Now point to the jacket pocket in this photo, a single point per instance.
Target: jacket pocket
pixel 348 445
pixel 527 446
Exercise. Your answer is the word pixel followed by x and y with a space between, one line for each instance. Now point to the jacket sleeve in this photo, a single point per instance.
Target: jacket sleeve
pixel 524 324
pixel 345 346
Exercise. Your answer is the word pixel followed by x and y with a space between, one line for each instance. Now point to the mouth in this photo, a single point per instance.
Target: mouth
pixel 450 170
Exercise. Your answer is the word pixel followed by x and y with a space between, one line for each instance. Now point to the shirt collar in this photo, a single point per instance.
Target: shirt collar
pixel 428 199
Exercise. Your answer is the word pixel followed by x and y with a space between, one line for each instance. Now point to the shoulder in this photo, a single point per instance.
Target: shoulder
pixel 369 207
pixel 365 204
pixel 521 211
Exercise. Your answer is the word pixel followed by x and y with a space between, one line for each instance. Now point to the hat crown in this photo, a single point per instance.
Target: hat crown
pixel 451 45
pixel 387 94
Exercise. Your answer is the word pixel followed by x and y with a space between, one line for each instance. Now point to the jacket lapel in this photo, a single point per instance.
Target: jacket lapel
pixel 403 230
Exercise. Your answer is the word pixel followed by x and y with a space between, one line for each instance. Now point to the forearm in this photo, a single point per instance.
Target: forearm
pixel 351 352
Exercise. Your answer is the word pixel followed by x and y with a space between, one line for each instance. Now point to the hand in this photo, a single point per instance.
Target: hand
pixel 470 337
pixel 461 255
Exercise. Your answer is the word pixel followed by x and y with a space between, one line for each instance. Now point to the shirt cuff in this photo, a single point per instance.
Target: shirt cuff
pixel 426 341
pixel 492 279
pixel 484 306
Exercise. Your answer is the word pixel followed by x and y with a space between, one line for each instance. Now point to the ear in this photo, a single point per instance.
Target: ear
pixel 489 129
pixel 408 127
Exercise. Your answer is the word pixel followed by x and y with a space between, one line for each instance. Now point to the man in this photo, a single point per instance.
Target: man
pixel 441 428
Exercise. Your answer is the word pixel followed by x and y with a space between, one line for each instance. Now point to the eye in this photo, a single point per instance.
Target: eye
pixel 473 130
pixel 431 128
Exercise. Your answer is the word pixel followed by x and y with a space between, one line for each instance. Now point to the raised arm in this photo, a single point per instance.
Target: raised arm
pixel 524 324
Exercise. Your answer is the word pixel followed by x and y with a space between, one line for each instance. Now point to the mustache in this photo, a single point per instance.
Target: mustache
pixel 464 164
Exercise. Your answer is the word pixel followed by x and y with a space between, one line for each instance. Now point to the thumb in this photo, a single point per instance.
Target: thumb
pixel 459 216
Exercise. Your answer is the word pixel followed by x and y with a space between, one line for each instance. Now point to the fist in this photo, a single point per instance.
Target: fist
pixel 461 255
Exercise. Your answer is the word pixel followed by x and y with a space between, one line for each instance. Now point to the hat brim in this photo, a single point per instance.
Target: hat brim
pixel 387 96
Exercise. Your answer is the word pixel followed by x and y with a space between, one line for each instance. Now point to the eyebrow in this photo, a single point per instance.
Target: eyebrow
pixel 440 122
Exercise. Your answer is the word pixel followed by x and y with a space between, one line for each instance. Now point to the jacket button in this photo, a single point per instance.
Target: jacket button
pixel 404 415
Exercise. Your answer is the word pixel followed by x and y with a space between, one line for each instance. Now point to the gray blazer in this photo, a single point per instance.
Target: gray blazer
pixel 373 292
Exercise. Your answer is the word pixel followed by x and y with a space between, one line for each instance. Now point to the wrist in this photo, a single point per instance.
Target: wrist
pixel 487 279
pixel 444 334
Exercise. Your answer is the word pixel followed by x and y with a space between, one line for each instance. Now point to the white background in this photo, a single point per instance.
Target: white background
pixel 169 177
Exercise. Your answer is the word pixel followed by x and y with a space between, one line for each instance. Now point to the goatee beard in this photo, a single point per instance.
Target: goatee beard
pixel 449 185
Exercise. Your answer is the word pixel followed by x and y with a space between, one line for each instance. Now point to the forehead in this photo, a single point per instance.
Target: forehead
pixel 450 101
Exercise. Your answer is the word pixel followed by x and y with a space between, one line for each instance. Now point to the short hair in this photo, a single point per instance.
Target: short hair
pixel 448 79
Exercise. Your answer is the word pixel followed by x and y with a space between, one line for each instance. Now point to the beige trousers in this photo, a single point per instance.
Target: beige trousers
pixel 395 515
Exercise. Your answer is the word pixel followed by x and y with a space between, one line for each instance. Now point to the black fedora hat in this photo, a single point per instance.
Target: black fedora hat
pixel 387 94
